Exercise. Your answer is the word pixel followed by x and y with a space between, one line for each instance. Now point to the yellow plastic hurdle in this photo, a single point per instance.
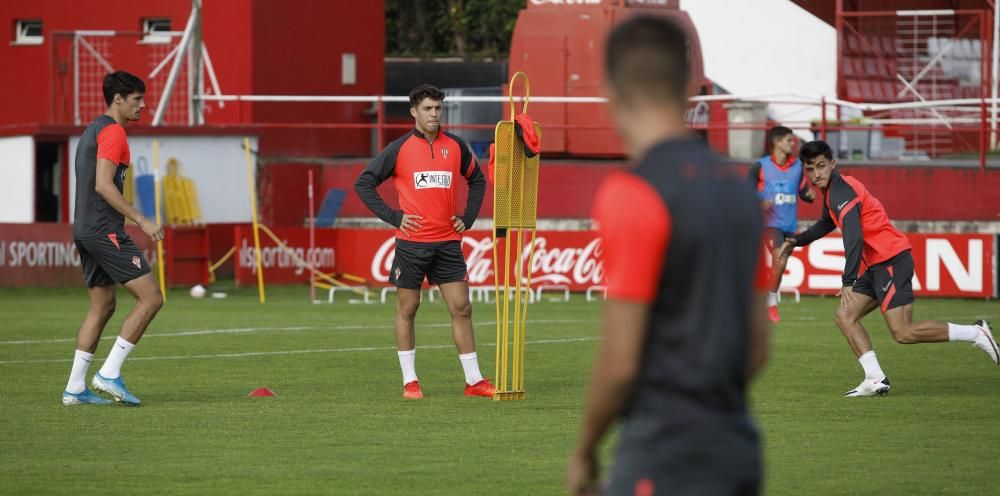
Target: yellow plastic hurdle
pixel 181 197
pixel 515 205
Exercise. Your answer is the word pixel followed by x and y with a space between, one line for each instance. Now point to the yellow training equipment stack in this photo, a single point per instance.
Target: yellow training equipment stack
pixel 515 205
pixel 180 196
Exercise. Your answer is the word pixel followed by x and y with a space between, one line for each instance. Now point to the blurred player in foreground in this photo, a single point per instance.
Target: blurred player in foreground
pixel 685 327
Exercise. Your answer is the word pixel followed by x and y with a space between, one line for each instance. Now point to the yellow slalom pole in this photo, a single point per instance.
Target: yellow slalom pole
pixel 156 199
pixel 496 293
pixel 524 316
pixel 515 379
pixel 253 218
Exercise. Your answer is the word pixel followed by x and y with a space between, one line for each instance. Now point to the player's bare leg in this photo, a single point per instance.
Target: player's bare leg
pixel 148 302
pixel 848 319
pixel 456 295
pixel 778 269
pixel 853 307
pixel 407 303
pixel 905 331
pixel 102 307
pixel 779 259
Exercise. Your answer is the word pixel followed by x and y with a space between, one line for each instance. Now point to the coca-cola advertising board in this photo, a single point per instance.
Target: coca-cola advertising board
pixel 561 257
pixel 945 264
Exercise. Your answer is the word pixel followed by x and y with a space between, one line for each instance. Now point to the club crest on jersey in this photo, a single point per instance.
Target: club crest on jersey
pixel 136 262
pixel 444 152
pixel 432 179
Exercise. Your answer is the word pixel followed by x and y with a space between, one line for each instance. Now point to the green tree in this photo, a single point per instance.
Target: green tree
pixel 451 28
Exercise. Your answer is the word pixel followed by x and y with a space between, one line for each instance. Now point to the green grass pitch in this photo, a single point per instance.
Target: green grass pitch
pixel 339 426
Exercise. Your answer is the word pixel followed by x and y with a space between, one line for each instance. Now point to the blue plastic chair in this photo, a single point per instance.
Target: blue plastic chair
pixel 330 208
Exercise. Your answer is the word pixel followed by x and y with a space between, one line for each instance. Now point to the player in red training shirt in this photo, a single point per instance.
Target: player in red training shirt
pixel 878 271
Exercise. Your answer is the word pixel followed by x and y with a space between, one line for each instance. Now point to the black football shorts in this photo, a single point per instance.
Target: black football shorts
pixel 110 259
pixel 440 262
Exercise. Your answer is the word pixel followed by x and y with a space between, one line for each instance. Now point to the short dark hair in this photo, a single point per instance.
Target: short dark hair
pixel 776 133
pixel 418 94
pixel 121 83
pixel 647 56
pixel 813 149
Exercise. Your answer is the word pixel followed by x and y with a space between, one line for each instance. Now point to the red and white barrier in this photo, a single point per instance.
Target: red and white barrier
pixel 43 255
pixel 961 265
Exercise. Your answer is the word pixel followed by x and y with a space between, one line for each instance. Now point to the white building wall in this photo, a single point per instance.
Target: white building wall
pixel 17 179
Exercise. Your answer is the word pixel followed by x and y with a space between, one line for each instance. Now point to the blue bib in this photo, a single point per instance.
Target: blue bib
pixel 782 188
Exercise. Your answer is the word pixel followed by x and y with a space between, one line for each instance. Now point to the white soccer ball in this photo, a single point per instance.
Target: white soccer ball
pixel 198 291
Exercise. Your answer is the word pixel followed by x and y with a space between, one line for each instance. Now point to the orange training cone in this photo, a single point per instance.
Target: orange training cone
pixel 261 393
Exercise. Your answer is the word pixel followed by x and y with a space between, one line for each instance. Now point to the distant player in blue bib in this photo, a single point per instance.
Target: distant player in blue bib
pixel 780 183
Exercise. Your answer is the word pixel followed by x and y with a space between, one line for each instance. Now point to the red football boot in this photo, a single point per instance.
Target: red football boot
pixel 772 313
pixel 411 391
pixel 481 388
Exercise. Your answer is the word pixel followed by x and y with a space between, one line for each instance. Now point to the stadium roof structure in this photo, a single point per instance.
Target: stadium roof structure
pixel 827 9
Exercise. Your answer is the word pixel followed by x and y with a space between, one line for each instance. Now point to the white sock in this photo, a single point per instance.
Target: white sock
pixel 772 299
pixel 470 364
pixel 112 367
pixel 872 369
pixel 958 332
pixel 78 374
pixel 407 362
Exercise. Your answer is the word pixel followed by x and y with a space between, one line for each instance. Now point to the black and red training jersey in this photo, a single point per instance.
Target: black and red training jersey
pixel 423 173
pixel 681 232
pixel 869 236
pixel 93 217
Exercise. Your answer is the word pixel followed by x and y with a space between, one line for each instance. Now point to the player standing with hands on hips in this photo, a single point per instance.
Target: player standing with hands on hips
pixel 424 165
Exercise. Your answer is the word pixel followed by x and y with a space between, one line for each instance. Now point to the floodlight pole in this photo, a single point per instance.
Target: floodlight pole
pixel 196 106
pixel 995 62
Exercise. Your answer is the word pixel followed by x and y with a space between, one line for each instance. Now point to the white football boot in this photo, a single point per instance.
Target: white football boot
pixel 869 387
pixel 986 342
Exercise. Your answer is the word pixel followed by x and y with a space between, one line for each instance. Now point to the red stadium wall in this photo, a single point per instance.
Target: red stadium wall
pixel 927 193
pixel 270 48
pixel 553 42
pixel 566 189
pixel 297 51
pixel 27 69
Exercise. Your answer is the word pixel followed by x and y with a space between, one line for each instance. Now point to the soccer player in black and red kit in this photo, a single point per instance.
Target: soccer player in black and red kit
pixel 878 270
pixel 424 165
pixel 685 326
pixel 107 254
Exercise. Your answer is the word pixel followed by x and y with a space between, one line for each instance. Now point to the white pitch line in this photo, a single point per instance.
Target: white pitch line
pixel 302 352
pixel 240 330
